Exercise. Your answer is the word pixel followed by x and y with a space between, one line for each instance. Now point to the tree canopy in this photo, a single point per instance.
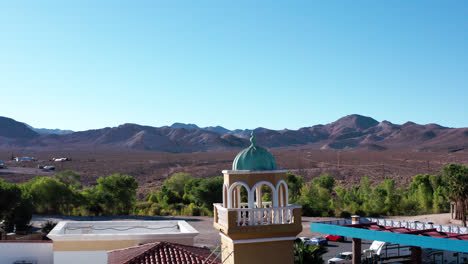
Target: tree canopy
pixel 182 194
pixel 456 176
pixel 15 207
pixel 114 195
pixel 69 178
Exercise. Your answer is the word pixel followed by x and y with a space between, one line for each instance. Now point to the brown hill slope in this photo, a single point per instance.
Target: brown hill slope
pixel 352 132
pixel 12 129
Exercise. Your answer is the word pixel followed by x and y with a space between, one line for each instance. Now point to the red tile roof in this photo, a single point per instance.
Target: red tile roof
pixel 161 253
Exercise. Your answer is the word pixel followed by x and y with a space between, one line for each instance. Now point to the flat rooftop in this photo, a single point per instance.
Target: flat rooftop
pixel 121 230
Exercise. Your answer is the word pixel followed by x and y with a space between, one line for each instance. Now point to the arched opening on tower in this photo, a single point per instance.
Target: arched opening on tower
pixel 283 194
pixel 264 195
pixel 238 195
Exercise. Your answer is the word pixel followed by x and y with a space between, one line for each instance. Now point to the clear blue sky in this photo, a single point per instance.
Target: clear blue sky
pixel 239 64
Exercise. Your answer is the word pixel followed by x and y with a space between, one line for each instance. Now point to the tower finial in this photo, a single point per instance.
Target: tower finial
pixel 253 140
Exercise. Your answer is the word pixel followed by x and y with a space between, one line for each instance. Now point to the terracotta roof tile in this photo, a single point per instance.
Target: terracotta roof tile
pixel 161 253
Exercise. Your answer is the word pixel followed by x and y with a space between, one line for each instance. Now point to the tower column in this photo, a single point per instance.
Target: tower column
pixel 259 196
pixel 251 200
pixel 281 196
pixel 239 200
pixel 235 201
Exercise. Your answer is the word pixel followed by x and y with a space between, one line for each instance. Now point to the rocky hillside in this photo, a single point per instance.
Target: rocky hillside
pixel 352 132
pixel 356 132
pixel 12 129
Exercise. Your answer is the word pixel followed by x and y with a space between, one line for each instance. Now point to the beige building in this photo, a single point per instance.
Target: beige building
pixel 255 221
pixel 89 241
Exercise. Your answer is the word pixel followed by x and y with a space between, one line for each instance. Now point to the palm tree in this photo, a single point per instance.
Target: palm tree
pixel 308 254
pixel 46 228
pixel 456 176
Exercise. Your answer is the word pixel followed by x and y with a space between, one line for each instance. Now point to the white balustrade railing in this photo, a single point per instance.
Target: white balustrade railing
pixel 267 204
pixel 257 216
pixel 264 205
pixel 222 214
pixel 265 216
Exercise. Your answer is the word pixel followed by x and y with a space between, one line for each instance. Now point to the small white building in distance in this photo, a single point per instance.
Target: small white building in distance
pixel 89 241
pixel 20 159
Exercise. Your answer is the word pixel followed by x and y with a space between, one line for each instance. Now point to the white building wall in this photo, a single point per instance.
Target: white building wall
pixel 80 257
pixel 36 252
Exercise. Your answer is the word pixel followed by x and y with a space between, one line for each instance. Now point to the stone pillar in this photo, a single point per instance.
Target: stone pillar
pixel 259 196
pixel 416 257
pixel 234 198
pixel 356 251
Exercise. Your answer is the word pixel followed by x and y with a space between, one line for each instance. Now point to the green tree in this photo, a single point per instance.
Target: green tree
pixel 177 182
pixel 22 214
pixel 15 207
pixel 10 197
pixel 208 191
pixel 152 197
pixel 392 198
pixel 93 201
pixel 379 196
pixel 440 200
pixel 188 189
pixel 113 195
pixel 46 228
pixel 325 181
pixel 305 254
pixel 456 176
pixel 69 178
pixel 167 196
pixel 315 201
pixel 338 203
pixel 295 184
pixel 421 191
pixel 50 195
pixel 316 197
pixel 365 194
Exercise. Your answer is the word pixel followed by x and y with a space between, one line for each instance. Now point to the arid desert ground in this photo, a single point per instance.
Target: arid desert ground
pixel 152 168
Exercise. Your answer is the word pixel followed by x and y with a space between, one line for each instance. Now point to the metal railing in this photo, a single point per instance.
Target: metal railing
pixel 408 224
pixel 337 222
pixel 419 225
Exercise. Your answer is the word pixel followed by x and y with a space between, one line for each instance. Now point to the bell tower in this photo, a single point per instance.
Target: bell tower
pixel 255 221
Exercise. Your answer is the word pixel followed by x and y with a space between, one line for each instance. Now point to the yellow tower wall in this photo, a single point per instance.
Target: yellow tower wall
pixel 270 252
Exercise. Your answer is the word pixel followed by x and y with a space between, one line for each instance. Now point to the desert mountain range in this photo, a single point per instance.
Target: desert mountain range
pixel 349 133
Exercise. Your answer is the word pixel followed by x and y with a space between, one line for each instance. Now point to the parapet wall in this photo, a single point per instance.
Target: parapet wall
pixel 39 252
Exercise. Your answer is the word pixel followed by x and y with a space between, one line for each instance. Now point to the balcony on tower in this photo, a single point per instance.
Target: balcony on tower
pixel 255 198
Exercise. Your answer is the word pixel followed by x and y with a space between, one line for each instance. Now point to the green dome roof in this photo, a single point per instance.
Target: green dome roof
pixel 254 158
